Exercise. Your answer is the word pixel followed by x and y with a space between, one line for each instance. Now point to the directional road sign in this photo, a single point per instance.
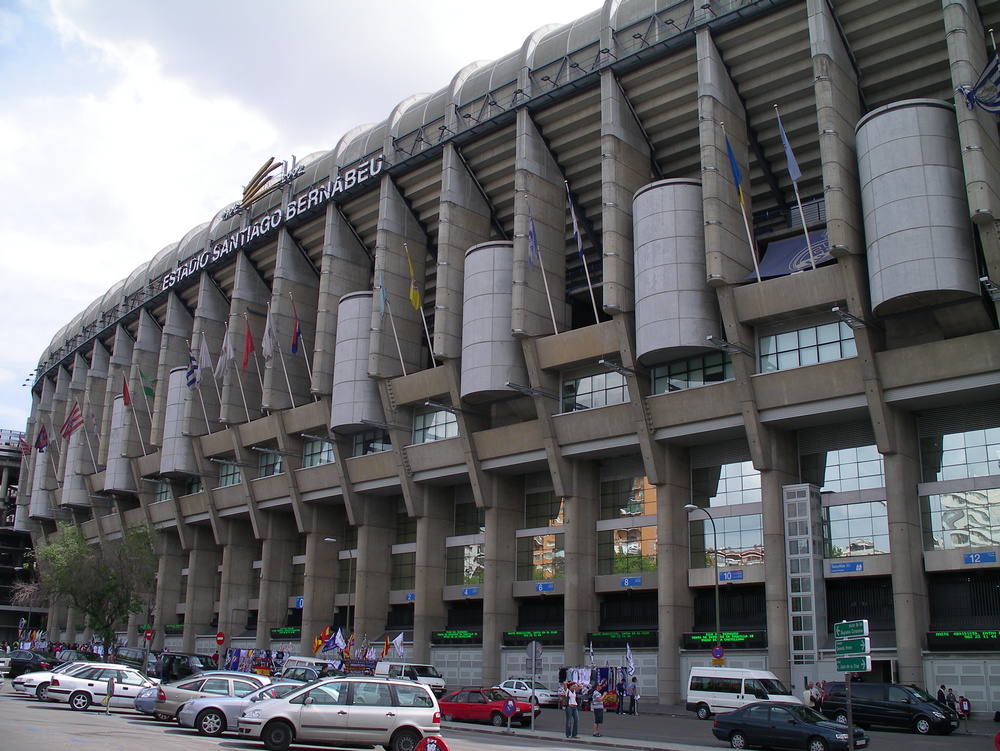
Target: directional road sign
pixel 862 664
pixel 848 629
pixel 860 646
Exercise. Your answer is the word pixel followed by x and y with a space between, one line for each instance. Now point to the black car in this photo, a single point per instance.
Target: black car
pixel 29 660
pixel 890 705
pixel 78 655
pixel 771 723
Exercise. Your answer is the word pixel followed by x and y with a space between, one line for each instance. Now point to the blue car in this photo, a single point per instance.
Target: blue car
pixel 777 725
pixel 145 701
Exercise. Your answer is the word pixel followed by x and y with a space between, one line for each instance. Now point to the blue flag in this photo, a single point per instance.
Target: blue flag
pixel 192 371
pixel 737 175
pixel 793 166
pixel 986 91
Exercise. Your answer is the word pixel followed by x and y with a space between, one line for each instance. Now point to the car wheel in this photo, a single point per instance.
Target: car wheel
pixel 817 744
pixel 210 722
pixel 738 740
pixel 497 719
pixel 922 725
pixel 840 717
pixel 277 736
pixel 42 691
pixel 446 717
pixel 79 700
pixel 405 740
pixel 703 712
pixel 162 716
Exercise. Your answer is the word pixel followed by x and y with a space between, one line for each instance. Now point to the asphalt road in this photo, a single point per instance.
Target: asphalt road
pixel 29 725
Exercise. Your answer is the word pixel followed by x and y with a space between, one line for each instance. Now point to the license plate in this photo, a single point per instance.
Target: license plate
pixel 954 723
pixel 860 743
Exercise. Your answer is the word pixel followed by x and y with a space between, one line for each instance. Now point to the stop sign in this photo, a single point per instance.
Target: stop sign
pixel 149 634
pixel 220 638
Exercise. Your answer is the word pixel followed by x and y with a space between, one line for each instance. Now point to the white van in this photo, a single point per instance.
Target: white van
pixel 714 690
pixel 412 671
pixel 313 663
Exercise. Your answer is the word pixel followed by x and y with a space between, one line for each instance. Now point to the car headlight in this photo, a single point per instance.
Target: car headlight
pixel 939 715
pixel 252 713
pixel 841 736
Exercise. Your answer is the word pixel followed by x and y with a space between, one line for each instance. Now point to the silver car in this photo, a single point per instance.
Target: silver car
pixel 346 712
pixel 524 689
pixel 170 696
pixel 213 715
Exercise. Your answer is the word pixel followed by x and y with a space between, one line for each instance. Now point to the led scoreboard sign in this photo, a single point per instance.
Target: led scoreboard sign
pixel 456 636
pixel 729 640
pixel 963 641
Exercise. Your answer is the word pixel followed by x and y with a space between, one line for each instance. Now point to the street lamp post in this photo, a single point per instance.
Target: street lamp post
pixel 690 508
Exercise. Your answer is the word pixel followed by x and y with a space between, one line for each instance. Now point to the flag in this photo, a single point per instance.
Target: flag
pixel 24 448
pixel 986 91
pixel 338 639
pixel 385 647
pixel 576 227
pixel 398 644
pixel 591 654
pixel 348 647
pixel 793 166
pixel 534 254
pixel 296 331
pixel 737 175
pixel 268 342
pixel 247 349
pixel 204 357
pixel 42 442
pixel 147 390
pixel 73 421
pixel 414 289
pixel 629 662
pixel 126 396
pixel 193 371
pixel 226 355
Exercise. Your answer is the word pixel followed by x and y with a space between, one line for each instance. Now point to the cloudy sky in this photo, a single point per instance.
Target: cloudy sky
pixel 126 123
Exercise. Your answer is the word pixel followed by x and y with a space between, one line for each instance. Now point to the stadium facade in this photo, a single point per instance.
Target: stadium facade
pixel 460 424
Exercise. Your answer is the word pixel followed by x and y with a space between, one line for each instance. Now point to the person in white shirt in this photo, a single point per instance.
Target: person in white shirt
pixel 572 710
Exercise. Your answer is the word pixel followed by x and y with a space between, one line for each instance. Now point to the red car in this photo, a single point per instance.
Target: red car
pixel 485 705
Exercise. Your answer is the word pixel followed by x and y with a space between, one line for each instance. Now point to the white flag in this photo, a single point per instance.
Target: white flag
pixel 269 341
pixel 629 662
pixel 226 355
pixel 398 644
pixel 338 640
pixel 204 358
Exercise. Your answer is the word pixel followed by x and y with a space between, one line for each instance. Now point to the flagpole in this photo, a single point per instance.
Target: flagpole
pixel 138 430
pixel 243 394
pixel 795 186
pixel 579 251
pixel 302 339
pixel 548 295
pixel 423 318
pixel 392 322
pixel 256 362
pixel 746 220
pixel 90 446
pixel 275 343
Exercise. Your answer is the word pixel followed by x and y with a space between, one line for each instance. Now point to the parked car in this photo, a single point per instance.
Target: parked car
pixel 521 688
pixel 37 683
pixel 175 666
pixel 305 675
pixel 30 660
pixel 90 686
pixel 78 655
pixel 890 704
pixel 485 705
pixel 145 701
pixel 352 711
pixel 138 658
pixel 213 715
pixel 783 725
pixel 170 696
pixel 4 665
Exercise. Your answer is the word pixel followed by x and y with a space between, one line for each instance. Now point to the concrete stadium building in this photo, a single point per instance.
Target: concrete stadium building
pixel 500 450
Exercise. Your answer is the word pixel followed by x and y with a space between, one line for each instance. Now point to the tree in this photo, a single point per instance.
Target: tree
pixel 105 582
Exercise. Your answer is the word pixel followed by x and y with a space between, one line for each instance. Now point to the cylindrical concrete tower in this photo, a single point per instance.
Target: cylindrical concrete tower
pixel 355 395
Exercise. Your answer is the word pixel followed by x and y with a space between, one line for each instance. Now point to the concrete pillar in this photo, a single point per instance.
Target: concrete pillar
pixel 373 566
pixel 169 590
pixel 320 578
pixel 240 581
pixel 430 611
pixel 675 599
pixel 174 344
pixel 204 558
pixel 500 567
pixel 581 610
pixel 909 586
pixel 277 550
pixel 249 291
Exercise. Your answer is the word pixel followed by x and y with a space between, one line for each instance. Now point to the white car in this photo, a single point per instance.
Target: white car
pixel 91 686
pixel 37 683
pixel 523 689
pixel 362 711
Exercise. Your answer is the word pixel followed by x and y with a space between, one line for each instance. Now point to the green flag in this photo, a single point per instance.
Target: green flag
pixel 147 390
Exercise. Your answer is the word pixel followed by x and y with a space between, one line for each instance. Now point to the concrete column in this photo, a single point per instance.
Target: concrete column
pixel 500 567
pixel 93 404
pixel 169 592
pixel 430 611
pixel 781 470
pixel 55 624
pixel 249 291
pixel 909 585
pixel 132 629
pixel 373 566
pixel 320 580
pixel 240 580
pixel 581 610
pixel 173 353
pixel 675 599
pixel 145 362
pixel 209 323
pixel 119 368
pixel 204 558
pixel 277 550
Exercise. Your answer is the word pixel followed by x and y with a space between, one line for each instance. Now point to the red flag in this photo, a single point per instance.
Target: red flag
pixel 42 442
pixel 24 448
pixel 74 420
pixel 385 647
pixel 126 397
pixel 247 349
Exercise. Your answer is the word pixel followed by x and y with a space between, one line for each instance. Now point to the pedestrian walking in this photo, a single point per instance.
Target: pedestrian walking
pixel 941 696
pixel 110 688
pixel 572 711
pixel 620 690
pixel 597 706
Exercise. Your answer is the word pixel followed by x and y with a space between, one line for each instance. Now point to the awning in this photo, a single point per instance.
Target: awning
pixel 784 257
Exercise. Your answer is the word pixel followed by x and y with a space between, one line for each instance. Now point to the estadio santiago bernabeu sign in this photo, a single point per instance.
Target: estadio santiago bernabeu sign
pixel 316 197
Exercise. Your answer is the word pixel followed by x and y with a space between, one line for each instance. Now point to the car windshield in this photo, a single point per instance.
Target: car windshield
pixel 919 693
pixel 537 686
pixel 496 694
pixel 426 671
pixel 774 686
pixel 806 714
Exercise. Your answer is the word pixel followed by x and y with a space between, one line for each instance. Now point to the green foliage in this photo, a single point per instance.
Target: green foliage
pixel 105 582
